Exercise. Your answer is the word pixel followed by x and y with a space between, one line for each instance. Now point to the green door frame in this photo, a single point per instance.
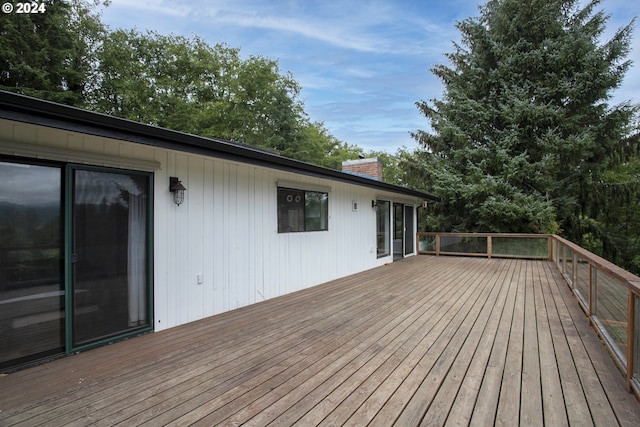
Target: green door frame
pixel 68 255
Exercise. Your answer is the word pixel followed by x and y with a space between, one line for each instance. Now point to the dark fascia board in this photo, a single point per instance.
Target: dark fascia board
pixel 26 109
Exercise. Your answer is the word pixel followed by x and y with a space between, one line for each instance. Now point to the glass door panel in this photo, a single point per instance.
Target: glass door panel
pixel 398 230
pixel 31 286
pixel 383 225
pixel 409 235
pixel 110 254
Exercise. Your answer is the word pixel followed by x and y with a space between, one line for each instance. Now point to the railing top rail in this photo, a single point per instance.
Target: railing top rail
pixel 607 267
pixel 521 235
pixel 602 264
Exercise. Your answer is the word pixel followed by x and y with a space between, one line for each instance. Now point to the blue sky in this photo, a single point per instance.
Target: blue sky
pixel 362 64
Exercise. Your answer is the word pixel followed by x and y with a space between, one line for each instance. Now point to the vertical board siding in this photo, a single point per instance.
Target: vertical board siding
pixel 208 229
pixel 226 229
pixel 239 216
pixel 160 240
pixel 227 223
pixel 196 236
pixel 216 237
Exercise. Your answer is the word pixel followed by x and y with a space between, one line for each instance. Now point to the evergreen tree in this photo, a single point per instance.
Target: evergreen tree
pixel 612 227
pixel 524 129
pixel 46 55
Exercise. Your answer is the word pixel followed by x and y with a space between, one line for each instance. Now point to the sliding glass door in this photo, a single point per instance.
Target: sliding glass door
pixel 75 258
pixel 403 233
pixel 110 254
pixel 32 309
pixel 383 228
pixel 398 231
pixel 409 234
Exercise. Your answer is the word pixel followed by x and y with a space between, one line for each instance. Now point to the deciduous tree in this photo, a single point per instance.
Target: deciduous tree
pixel 185 84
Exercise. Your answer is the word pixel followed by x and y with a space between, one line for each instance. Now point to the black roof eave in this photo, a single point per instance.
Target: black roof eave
pixel 35 111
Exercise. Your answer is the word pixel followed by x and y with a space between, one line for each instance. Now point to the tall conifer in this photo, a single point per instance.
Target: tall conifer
pixel 524 129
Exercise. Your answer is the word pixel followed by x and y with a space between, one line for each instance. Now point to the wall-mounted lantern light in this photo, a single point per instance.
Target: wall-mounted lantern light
pixel 374 204
pixel 176 187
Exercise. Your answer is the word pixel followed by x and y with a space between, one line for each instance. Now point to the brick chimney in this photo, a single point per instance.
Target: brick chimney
pixel 370 168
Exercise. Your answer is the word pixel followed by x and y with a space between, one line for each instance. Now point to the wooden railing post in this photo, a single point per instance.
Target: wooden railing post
pixel 437 244
pixel 594 293
pixel 591 296
pixel 631 315
pixel 489 246
pixel 574 269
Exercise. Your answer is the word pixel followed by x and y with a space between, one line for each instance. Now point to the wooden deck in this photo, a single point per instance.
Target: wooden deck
pixel 424 341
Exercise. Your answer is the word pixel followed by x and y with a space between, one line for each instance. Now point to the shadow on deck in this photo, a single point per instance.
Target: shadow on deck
pixel 427 340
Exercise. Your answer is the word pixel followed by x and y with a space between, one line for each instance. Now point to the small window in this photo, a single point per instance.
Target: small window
pixel 300 210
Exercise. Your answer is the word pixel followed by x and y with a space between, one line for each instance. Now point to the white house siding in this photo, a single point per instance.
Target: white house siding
pixel 226 230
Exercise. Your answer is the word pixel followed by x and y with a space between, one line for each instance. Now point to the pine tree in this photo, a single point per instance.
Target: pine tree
pixel 524 128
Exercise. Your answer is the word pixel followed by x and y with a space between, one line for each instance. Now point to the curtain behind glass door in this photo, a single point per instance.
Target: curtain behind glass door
pixel 110 277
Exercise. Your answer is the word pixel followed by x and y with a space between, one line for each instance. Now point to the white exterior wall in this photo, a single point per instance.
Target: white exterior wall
pixel 226 229
pixel 230 237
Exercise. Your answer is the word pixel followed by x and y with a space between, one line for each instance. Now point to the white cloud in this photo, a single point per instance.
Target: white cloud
pixel 327 34
pixel 143 7
pixel 362 64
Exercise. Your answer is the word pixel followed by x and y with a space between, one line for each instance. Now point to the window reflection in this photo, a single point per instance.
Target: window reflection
pixel 383 228
pixel 300 210
pixel 31 286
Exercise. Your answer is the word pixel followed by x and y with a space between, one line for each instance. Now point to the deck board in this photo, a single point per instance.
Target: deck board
pixel 424 341
pixel 531 413
pixel 553 406
pixel 511 382
pixel 463 407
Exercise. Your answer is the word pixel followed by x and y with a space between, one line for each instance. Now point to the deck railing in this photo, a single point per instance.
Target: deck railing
pixel 608 294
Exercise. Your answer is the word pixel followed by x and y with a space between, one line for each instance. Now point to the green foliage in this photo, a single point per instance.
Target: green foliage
pixel 524 131
pixel 323 149
pixel 67 55
pixel 612 224
pixel 47 55
pixel 184 84
pixel 36 54
pixel 391 171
